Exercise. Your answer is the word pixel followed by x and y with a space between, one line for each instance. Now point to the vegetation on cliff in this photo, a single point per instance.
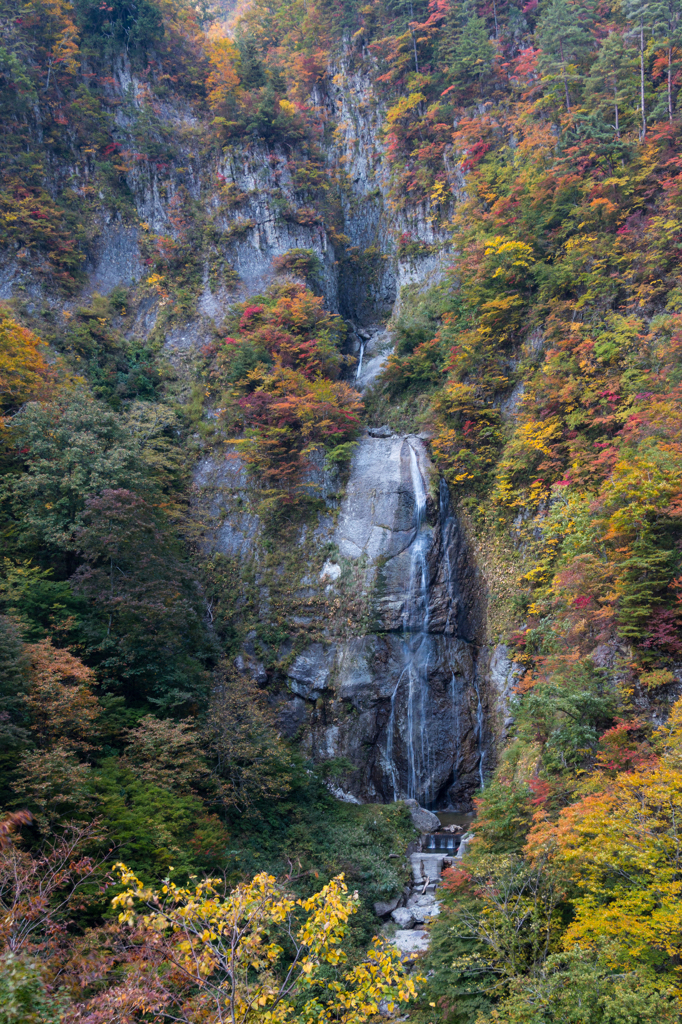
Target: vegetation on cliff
pixel 541 139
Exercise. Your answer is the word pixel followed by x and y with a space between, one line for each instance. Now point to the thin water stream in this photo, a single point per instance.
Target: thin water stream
pixel 362 353
pixel 430 713
pixel 416 641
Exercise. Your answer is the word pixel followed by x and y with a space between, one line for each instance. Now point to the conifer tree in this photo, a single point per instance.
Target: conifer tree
pixel 606 86
pixel 251 71
pixel 565 40
pixel 473 53
pixel 645 17
pixel 669 33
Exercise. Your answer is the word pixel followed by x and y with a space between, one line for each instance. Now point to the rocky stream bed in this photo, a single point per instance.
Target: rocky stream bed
pixel 438 847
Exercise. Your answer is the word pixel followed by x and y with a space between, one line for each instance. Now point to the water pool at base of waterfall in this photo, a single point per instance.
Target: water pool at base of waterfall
pixel 455 818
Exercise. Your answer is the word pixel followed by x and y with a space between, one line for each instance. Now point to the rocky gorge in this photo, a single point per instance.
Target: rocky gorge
pixel 412 702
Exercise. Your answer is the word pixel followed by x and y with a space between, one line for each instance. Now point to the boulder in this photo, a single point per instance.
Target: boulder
pixel 425 821
pixel 422 914
pixel 382 908
pixel 427 900
pixel 403 917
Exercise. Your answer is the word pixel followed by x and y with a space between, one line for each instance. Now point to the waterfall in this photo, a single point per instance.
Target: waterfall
pixel 416 642
pixel 429 741
pixel 437 841
pixel 359 369
pixel 479 734
pixel 415 655
pixel 395 780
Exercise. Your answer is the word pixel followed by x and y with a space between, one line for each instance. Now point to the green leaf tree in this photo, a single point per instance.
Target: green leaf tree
pixel 566 42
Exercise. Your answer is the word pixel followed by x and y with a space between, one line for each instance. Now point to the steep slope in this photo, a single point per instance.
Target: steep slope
pixel 340 452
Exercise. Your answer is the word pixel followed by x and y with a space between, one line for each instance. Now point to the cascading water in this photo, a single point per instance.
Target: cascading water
pixel 390 762
pixel 416 641
pixel 362 353
pixel 479 734
pixel 415 732
pixel 410 694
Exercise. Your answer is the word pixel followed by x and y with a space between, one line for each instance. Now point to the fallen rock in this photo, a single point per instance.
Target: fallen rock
pixel 421 914
pixel 411 941
pixel 379 431
pixel 403 917
pixel 385 907
pixel 425 821
pixel 418 900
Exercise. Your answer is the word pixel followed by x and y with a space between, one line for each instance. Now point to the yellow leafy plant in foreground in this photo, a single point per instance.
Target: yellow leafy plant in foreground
pixel 254 954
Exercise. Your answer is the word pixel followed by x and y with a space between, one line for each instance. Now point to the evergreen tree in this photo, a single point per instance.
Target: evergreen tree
pixel 668 36
pixel 251 71
pixel 566 43
pixel 473 54
pixel 609 82
pixel 645 17
pixel 408 11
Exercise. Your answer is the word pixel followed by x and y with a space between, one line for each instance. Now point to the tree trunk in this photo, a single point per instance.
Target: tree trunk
pixel 615 104
pixel 641 74
pixel 670 83
pixel 563 77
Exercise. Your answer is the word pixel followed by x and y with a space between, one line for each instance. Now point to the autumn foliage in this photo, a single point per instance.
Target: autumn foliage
pixel 275 372
pixel 24 372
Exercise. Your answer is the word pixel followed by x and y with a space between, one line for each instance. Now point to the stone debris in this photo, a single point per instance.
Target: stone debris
pixel 382 908
pixel 422 914
pixel 421 901
pixel 427 900
pixel 411 941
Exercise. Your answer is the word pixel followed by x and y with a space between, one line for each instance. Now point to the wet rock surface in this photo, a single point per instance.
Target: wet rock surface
pixel 404 702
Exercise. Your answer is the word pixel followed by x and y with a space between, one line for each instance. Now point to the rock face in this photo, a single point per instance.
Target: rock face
pixel 405 702
pixel 403 694
pixel 503 675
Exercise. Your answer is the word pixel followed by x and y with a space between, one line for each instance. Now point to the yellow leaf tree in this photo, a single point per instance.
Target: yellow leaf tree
pixel 622 848
pixel 255 954
pixel 23 370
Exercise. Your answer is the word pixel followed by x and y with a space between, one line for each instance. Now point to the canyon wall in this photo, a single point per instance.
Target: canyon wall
pixel 398 695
